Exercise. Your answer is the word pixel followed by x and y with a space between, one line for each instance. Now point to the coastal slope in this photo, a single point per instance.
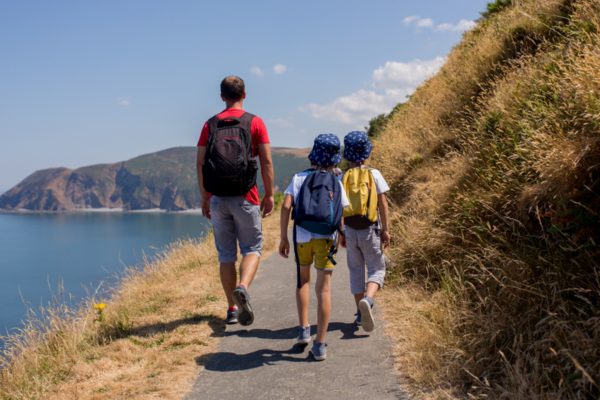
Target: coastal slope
pixel 165 180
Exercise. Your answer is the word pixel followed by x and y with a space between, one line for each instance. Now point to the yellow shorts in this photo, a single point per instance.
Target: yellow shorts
pixel 317 250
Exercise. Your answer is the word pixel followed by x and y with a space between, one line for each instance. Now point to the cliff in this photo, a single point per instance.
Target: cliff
pixel 165 180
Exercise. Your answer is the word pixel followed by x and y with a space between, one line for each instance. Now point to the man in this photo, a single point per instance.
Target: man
pixel 227 181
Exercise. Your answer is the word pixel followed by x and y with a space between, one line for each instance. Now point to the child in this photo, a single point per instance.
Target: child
pixel 365 234
pixel 316 189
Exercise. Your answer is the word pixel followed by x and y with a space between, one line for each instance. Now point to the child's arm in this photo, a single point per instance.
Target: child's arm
pixel 286 210
pixel 382 205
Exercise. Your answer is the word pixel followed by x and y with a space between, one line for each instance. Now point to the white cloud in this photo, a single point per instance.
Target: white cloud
pixel 409 20
pixel 418 22
pixel 424 23
pixel 395 74
pixel 358 106
pixel 391 83
pixel 123 102
pixel 256 71
pixel 461 26
pixel 279 69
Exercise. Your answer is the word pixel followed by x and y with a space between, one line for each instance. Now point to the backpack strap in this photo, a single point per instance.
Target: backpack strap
pixel 215 122
pixel 298 283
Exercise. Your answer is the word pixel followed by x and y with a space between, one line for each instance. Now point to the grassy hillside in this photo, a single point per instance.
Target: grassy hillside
pixel 494 167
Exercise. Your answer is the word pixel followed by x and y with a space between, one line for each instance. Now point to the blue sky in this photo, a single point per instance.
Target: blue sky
pixel 85 82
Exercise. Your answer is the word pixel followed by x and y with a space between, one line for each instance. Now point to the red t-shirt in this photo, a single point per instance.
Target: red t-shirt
pixel 258 134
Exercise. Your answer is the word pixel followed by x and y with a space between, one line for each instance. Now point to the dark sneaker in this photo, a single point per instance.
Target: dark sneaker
pixel 303 335
pixel 365 307
pixel 232 316
pixel 319 351
pixel 242 300
pixel 357 319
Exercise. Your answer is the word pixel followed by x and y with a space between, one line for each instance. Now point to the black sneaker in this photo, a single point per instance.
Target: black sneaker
pixel 242 300
pixel 232 316
pixel 357 319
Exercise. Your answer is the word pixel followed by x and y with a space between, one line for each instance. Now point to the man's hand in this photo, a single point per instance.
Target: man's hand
pixel 206 208
pixel 266 206
pixel 284 247
pixel 385 239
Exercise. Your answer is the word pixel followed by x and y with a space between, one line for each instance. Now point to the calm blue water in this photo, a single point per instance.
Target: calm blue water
pixel 38 252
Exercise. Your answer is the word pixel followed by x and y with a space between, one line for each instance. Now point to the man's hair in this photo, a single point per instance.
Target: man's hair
pixel 232 88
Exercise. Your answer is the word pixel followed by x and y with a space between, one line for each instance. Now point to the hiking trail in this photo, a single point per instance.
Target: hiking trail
pixel 261 361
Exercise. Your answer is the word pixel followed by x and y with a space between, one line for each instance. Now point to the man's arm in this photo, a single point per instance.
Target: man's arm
pixel 204 197
pixel 286 209
pixel 382 204
pixel 268 177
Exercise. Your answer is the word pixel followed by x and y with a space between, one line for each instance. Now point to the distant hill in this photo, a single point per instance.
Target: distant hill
pixel 165 180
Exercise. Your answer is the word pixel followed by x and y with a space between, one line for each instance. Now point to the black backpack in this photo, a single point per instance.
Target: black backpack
pixel 229 168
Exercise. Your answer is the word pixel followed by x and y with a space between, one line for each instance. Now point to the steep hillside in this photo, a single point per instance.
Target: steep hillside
pixel 166 180
pixel 494 166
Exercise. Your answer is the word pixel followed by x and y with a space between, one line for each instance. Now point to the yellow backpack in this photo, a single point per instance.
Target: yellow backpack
pixel 361 191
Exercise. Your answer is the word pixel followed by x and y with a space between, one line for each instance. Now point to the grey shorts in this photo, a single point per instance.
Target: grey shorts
pixel 363 249
pixel 235 220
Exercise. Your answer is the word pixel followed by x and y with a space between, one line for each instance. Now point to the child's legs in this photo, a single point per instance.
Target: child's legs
pixel 323 291
pixel 305 253
pixel 375 261
pixel 356 263
pixel 302 295
pixel 372 289
pixel 324 268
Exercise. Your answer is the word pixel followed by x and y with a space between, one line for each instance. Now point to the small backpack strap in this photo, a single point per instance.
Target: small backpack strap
pixel 213 124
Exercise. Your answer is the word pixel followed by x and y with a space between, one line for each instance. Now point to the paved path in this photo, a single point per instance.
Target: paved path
pixel 261 362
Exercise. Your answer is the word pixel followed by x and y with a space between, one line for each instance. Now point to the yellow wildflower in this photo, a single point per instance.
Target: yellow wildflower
pixel 99 307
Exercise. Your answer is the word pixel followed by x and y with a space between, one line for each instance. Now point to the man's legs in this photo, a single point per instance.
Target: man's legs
pixel 226 244
pixel 248 230
pixel 248 269
pixel 228 280
pixel 228 274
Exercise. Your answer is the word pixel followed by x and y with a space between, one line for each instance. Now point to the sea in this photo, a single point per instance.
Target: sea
pixel 67 257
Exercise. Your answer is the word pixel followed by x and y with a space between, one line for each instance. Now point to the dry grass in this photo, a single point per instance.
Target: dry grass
pixel 153 329
pixel 495 183
pixel 421 324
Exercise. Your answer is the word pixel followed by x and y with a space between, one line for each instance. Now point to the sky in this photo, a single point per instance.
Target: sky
pixel 87 82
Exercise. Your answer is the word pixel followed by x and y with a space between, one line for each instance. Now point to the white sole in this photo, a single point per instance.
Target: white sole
pixel 366 314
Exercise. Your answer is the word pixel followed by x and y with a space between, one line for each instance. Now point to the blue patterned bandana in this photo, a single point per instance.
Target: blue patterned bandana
pixel 357 147
pixel 325 151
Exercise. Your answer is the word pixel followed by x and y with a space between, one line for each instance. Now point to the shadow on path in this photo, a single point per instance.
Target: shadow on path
pixel 215 323
pixel 348 331
pixel 228 361
pixel 225 361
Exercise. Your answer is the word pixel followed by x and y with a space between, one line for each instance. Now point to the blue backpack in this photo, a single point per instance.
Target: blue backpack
pixel 318 208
